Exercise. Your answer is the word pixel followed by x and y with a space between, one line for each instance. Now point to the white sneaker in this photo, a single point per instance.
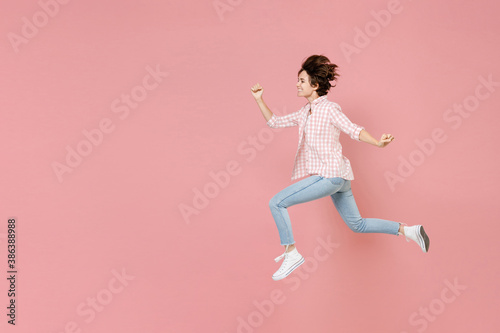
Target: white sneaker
pixel 417 234
pixel 293 259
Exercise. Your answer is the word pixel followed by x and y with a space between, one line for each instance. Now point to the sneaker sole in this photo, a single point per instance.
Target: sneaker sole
pixel 424 239
pixel 291 269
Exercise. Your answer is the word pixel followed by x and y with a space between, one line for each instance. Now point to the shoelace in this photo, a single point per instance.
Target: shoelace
pixel 406 237
pixel 281 256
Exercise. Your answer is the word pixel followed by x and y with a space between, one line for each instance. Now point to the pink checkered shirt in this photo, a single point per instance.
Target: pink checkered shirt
pixel 319 150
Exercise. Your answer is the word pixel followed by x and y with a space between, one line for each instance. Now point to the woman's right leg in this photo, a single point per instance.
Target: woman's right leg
pixel 310 188
pixel 307 189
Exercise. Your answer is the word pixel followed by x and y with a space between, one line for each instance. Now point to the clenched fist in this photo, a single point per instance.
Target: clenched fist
pixel 385 140
pixel 257 91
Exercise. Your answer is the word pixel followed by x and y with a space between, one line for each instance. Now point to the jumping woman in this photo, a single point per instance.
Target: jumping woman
pixel 319 157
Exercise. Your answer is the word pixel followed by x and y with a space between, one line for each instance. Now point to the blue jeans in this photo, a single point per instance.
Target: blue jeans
pixel 315 187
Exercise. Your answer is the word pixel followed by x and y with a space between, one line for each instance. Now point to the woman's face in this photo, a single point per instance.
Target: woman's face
pixel 304 89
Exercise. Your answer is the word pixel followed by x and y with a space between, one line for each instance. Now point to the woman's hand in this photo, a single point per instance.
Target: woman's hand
pixel 385 140
pixel 257 91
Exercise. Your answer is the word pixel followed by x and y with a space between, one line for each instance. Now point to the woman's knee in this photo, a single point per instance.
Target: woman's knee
pixel 357 225
pixel 274 202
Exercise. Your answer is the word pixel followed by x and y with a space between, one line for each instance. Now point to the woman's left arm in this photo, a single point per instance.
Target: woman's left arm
pixel 356 132
pixel 384 141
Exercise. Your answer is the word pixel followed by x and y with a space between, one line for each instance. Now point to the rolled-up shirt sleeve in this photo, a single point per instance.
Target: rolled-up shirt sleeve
pixel 291 119
pixel 340 120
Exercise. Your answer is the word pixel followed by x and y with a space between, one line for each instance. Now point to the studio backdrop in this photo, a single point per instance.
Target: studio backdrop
pixel 137 168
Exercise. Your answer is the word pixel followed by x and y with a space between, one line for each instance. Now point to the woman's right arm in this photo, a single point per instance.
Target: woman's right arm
pixel 264 109
pixel 257 92
pixel 271 119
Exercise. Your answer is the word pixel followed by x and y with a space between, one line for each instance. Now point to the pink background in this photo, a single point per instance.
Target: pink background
pixel 119 210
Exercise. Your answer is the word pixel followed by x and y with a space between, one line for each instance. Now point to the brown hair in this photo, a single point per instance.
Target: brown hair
pixel 320 72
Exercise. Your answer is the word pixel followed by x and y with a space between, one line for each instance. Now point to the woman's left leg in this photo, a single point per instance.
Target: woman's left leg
pixel 344 201
pixel 348 210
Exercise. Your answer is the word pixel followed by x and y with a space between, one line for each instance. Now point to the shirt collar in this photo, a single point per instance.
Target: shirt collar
pixel 318 100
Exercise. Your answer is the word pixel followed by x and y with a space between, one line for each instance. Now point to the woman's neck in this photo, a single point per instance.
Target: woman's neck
pixel 313 97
